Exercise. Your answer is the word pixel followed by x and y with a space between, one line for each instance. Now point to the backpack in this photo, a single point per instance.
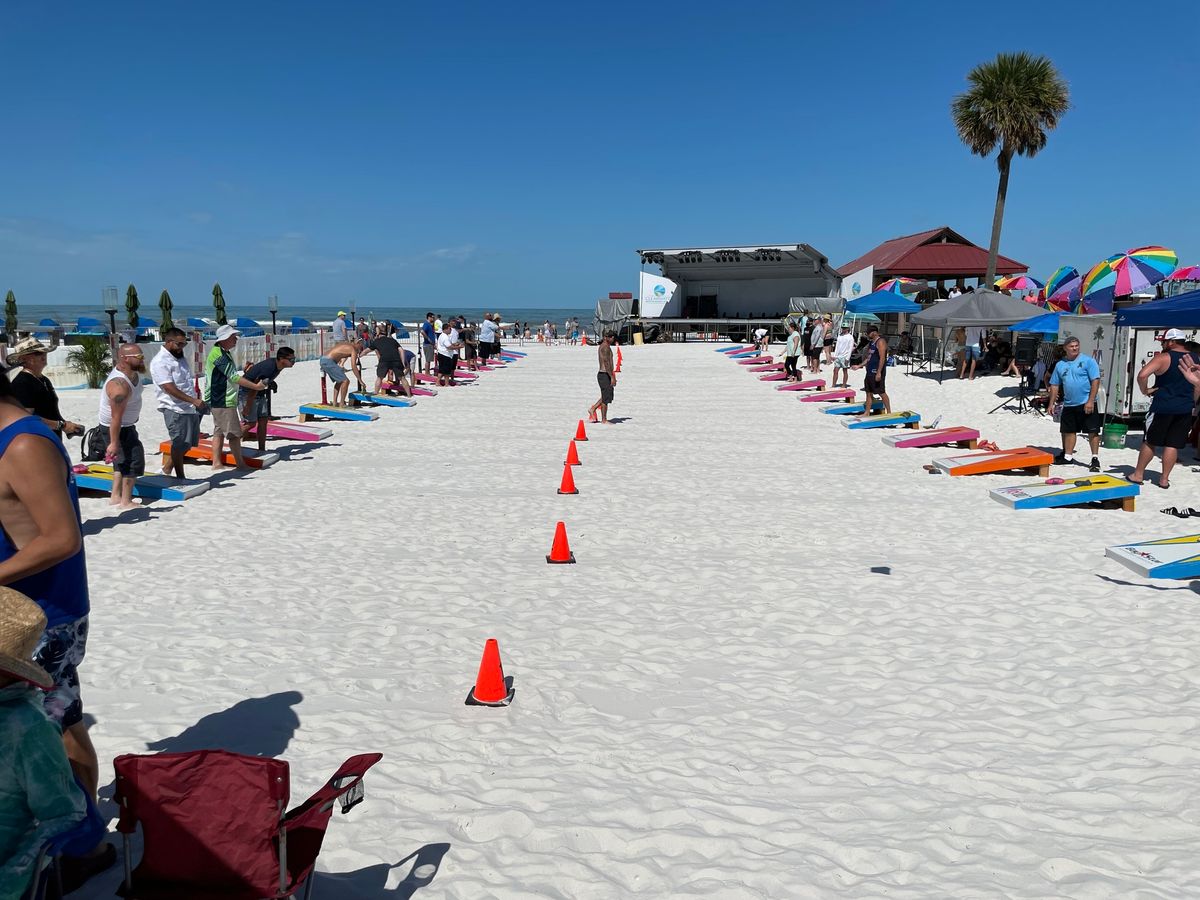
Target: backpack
pixel 94 444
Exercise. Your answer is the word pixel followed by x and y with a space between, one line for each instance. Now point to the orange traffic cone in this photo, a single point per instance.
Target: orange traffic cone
pixel 560 551
pixel 572 455
pixel 580 432
pixel 491 687
pixel 568 482
pixel 583 340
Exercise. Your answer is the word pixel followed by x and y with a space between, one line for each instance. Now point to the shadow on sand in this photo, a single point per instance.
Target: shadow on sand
pixel 370 883
pixel 259 726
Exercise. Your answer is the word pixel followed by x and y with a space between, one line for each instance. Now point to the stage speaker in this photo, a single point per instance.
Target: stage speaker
pixel 1026 350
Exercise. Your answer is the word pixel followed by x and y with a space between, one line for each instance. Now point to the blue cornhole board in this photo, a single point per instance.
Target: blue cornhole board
pixel 850 409
pixel 1177 557
pixel 1072 492
pixel 905 417
pixel 382 399
pixel 325 411
pixel 148 487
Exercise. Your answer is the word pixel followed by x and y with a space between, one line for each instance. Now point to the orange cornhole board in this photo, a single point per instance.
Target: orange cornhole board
pixel 202 452
pixel 1019 459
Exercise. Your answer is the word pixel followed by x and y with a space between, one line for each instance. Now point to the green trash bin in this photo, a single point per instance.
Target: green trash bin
pixel 1114 436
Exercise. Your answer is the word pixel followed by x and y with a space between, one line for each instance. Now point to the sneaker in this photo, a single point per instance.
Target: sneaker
pixel 1095 466
pixel 1064 459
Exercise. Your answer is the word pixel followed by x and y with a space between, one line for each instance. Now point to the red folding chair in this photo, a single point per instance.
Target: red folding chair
pixel 213 824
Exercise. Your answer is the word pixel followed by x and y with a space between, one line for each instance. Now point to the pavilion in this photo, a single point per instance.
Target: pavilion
pixel 939 256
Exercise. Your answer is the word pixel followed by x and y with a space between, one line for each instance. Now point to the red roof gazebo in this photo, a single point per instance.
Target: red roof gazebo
pixel 937 256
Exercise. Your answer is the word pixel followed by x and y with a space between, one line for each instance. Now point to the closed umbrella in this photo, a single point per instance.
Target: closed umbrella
pixel 131 307
pixel 10 316
pixel 219 304
pixel 165 304
pixel 1123 274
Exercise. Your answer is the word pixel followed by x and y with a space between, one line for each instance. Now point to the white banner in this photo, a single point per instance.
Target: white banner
pixel 658 296
pixel 858 284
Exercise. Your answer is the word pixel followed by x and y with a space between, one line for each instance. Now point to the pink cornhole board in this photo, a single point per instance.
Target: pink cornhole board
pixel 829 396
pixel 933 437
pixel 773 367
pixel 735 350
pixel 761 360
pixel 778 376
pixel 814 384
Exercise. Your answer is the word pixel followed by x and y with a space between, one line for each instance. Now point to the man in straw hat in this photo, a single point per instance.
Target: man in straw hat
pixel 41 555
pixel 34 391
pixel 39 799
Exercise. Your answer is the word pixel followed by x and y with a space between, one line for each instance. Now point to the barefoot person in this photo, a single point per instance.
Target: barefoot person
pixel 256 404
pixel 841 356
pixel 606 377
pixel 791 352
pixel 875 362
pixel 391 368
pixel 120 409
pixel 447 356
pixel 1170 415
pixel 331 366
pixel 222 398
pixel 176 398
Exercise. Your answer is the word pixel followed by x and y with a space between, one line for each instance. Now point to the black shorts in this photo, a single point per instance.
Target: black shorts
pixel 875 385
pixel 1167 429
pixel 131 458
pixel 469 352
pixel 606 387
pixel 384 366
pixel 814 352
pixel 1074 420
pixel 446 364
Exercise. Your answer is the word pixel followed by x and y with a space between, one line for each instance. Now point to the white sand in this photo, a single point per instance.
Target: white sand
pixel 788 664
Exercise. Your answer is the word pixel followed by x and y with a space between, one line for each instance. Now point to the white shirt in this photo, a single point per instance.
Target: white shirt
pixel 133 406
pixel 760 333
pixel 487 331
pixel 166 369
pixel 844 346
pixel 954 292
pixel 444 343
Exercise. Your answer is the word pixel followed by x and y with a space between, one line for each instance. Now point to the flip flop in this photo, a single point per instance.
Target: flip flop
pixel 1160 484
pixel 1188 513
pixel 1135 480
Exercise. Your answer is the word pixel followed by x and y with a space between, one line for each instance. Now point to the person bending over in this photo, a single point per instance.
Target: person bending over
pixel 256 404
pixel 331 367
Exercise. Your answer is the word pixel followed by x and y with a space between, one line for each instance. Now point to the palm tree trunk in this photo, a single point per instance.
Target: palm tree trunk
pixel 1003 161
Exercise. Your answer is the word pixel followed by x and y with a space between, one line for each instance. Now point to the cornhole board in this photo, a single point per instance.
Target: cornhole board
pixel 813 384
pixel 382 399
pixel 774 376
pixel 770 367
pixel 843 394
pixel 421 378
pixel 1025 459
pixel 732 350
pixel 341 413
pixel 907 418
pixel 203 452
pixel 760 359
pixel 967 438
pixel 99 477
pixel 292 432
pixel 417 391
pixel 1177 557
pixel 1071 492
pixel 851 409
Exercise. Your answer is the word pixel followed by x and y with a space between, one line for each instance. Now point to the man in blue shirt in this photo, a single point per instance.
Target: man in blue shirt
pixel 1077 376
pixel 428 343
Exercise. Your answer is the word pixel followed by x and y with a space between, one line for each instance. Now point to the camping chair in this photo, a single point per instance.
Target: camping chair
pixel 213 824
pixel 75 841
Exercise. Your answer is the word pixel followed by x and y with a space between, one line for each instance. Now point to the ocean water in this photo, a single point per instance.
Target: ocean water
pixel 66 314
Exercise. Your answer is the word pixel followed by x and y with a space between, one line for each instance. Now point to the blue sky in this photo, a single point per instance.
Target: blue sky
pixel 517 154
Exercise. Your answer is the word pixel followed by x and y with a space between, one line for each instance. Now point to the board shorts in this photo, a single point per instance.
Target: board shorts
pixel 226 420
pixel 1073 420
pixel 606 387
pixel 1167 429
pixel 333 371
pixel 446 364
pixel 839 363
pixel 875 385
pixel 258 409
pixel 183 429
pixel 60 651
pixel 396 366
pixel 131 458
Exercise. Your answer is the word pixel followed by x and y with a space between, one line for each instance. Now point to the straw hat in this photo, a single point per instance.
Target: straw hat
pixel 28 345
pixel 22 623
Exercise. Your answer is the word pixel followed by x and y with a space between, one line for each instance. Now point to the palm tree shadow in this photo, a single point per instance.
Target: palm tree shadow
pixel 370 883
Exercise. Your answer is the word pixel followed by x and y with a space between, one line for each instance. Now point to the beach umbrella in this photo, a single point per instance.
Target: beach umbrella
pixel 131 307
pixel 1018 283
pixel 903 285
pixel 1123 274
pixel 1185 273
pixel 219 304
pixel 1062 288
pixel 857 318
pixel 165 304
pixel 10 316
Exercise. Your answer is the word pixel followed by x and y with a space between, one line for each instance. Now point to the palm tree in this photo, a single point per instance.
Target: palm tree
pixel 1011 104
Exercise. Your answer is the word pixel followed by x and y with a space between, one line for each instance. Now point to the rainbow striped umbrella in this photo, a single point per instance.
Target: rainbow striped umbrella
pixel 1062 289
pixel 1021 283
pixel 1123 274
pixel 1185 273
pixel 903 285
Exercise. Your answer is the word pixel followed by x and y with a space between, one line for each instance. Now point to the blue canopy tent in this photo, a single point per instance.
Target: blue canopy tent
pixel 401 331
pixel 87 325
pixel 1180 311
pixel 46 326
pixel 882 302
pixel 199 324
pixel 248 327
pixel 299 324
pixel 1046 323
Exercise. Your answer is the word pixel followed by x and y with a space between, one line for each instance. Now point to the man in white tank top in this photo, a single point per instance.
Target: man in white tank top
pixel 120 409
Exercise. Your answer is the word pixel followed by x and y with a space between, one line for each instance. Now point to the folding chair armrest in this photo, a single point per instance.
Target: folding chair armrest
pixel 348 776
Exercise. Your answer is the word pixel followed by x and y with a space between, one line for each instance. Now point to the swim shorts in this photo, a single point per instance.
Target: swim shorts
pixel 606 387
pixel 258 408
pixel 839 363
pixel 1074 420
pixel 333 371
pixel 59 652
pixel 446 364
pixel 131 458
pixel 183 429
pixel 874 385
pixel 1167 429
pixel 384 366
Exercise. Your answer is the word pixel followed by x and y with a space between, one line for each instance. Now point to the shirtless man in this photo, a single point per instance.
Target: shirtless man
pixel 606 377
pixel 331 366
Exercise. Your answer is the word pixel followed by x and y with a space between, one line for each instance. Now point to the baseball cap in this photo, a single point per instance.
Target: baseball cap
pixel 1173 334
pixel 225 332
pixel 341 312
